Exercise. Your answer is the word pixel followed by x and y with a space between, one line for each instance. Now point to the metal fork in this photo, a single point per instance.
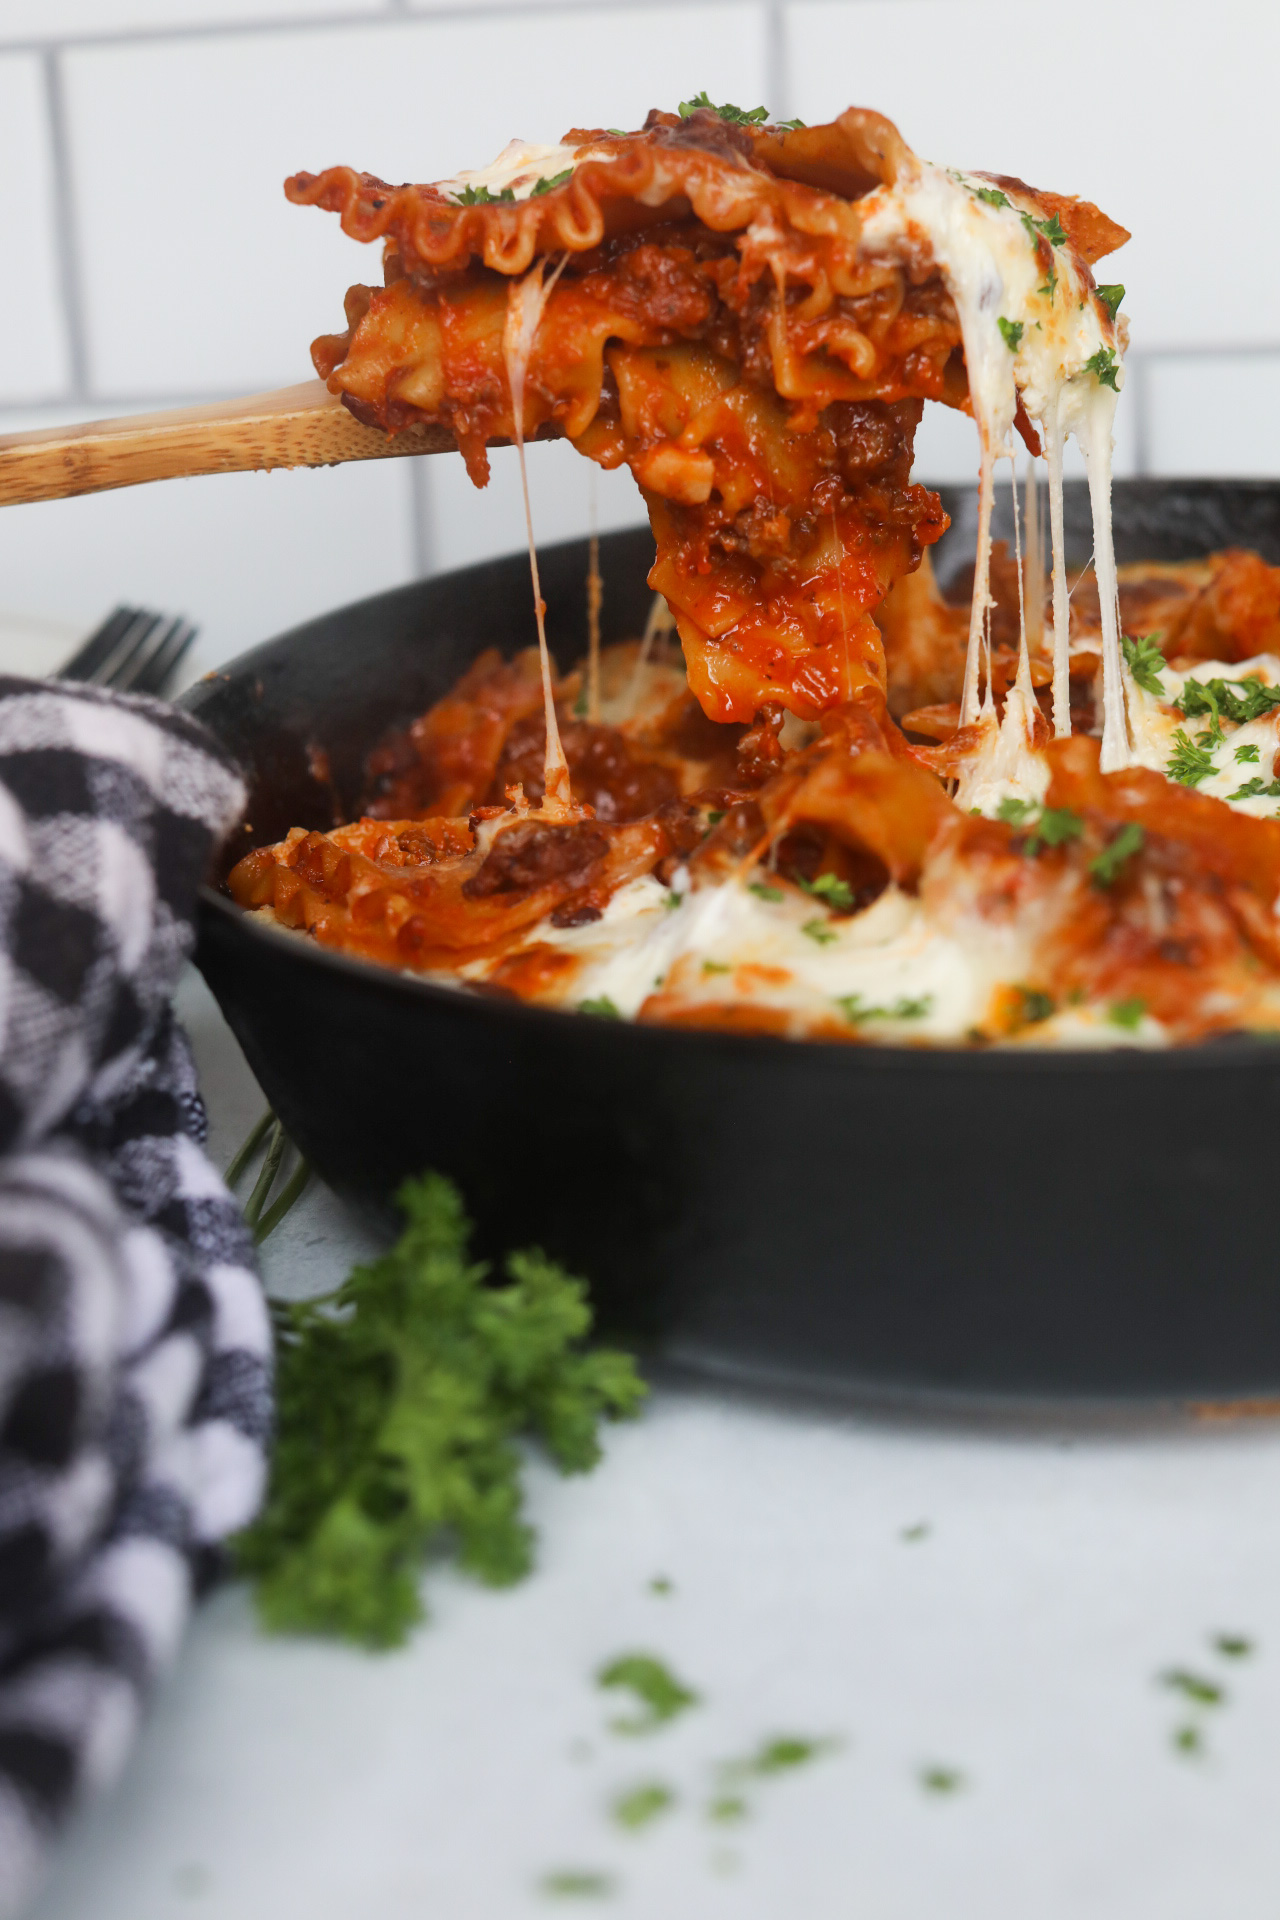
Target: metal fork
pixel 133 650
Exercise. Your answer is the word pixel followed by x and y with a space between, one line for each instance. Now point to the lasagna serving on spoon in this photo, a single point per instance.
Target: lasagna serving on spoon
pixel 843 807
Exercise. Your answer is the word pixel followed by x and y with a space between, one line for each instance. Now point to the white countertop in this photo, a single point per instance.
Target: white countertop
pixel 1019 1641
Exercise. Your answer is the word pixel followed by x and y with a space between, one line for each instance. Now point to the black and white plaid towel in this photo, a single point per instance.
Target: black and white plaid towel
pixel 135 1350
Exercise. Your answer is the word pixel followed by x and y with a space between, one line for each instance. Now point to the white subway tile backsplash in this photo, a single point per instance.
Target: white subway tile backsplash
pixel 1165 115
pixel 1216 414
pixel 465 523
pixel 244 554
pixel 33 341
pixel 198 275
pixel 71 19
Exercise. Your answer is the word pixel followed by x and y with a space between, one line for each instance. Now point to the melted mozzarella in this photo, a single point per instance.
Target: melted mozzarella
pixel 519 166
pixel 1154 721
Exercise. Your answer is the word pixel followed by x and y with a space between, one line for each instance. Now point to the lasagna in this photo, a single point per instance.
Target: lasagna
pixel 820 798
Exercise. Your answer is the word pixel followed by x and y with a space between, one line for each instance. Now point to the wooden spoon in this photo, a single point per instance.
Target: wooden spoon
pixel 303 426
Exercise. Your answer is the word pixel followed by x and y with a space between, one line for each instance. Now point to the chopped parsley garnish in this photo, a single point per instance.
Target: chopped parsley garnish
pixel 837 893
pixel 1145 661
pixel 481 197
pixel 1188 1740
pixel 820 932
pixel 1013 811
pixel 1051 229
pixel 544 185
pixel 1105 365
pixel 1232 1646
pixel 1190 762
pixel 920 1531
pixel 789 126
pixel 992 196
pixel 401 1398
pixel 1238 700
pixel 1249 752
pixel 715 816
pixel 727 1808
pixel 856 1011
pixel 736 116
pixel 1050 826
pixel 639 1806
pixel 715 966
pixel 654 1687
pixel 762 892
pixel 602 1006
pixel 1010 332
pixel 1107 866
pixel 1256 789
pixel 1127 1014
pixel 1193 1686
pixel 1050 286
pixel 1036 1005
pixel 672 900
pixel 576 1883
pixel 661 1584
pixel 941 1779
pixel 1111 297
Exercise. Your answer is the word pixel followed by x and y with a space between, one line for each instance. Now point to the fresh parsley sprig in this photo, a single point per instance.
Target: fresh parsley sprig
pixel 1050 826
pixel 1145 661
pixel 1105 366
pixel 1107 866
pixel 1051 229
pixel 401 1398
pixel 543 185
pixel 1191 761
pixel 837 893
pixel 1111 296
pixel 482 197
pixel 1238 700
pixel 1011 332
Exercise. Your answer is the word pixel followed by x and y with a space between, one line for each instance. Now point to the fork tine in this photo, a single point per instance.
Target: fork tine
pixel 102 642
pixel 115 669
pixel 158 658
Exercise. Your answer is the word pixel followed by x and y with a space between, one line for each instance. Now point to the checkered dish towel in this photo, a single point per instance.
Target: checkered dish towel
pixel 135 1351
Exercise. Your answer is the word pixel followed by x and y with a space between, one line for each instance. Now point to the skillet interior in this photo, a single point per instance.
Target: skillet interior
pixel 1022 1224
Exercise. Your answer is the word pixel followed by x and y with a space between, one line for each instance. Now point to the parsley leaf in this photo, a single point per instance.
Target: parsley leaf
pixel 1014 812
pixel 1238 700
pixel 1111 297
pixel 837 893
pixel 820 932
pixel 1255 789
pixel 1233 1646
pixel 1105 365
pixel 1036 1005
pixel 992 196
pixel 1190 763
pixel 576 1883
pixel 401 1397
pixel 1192 1686
pixel 1054 828
pixel 1249 752
pixel 789 126
pixel 547 186
pixel 1010 332
pixel 1051 229
pixel 481 197
pixel 654 1687
pixel 1107 866
pixel 715 966
pixel 762 892
pixel 736 116
pixel 639 1806
pixel 602 1006
pixel 1144 661
pixel 1127 1013
pixel 855 1011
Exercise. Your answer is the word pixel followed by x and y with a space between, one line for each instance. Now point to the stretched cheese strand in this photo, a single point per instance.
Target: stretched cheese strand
pixel 526 302
pixel 977 665
pixel 595 599
pixel 1035 556
pixel 1096 413
pixel 1052 426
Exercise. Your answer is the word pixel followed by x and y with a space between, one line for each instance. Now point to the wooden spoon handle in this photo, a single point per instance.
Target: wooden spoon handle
pixel 303 426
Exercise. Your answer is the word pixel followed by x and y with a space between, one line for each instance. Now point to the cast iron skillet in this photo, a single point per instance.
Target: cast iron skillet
pixel 1096 1226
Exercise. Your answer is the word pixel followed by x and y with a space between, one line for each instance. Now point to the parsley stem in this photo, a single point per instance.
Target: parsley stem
pixel 266 1179
pixel 293 1190
pixel 245 1152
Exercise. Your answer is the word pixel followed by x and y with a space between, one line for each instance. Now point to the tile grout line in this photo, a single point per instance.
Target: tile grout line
pixel 778 70
pixel 64 228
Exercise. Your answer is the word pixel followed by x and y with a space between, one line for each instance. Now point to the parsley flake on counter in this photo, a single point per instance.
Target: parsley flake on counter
pixel 1145 661
pixel 736 116
pixel 1107 866
pixel 941 1779
pixel 1249 752
pixel 654 1686
pixel 1232 1646
pixel 661 1584
pixel 602 1006
pixel 1188 1740
pixel 837 893
pixel 819 931
pixel 401 1397
pixel 1111 296
pixel 1190 762
pixel 763 892
pixel 1010 332
pixel 543 185
pixel 576 1883
pixel 920 1531
pixel 1105 366
pixel 727 1808
pixel 1193 1686
pixel 639 1807
pixel 1128 1014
